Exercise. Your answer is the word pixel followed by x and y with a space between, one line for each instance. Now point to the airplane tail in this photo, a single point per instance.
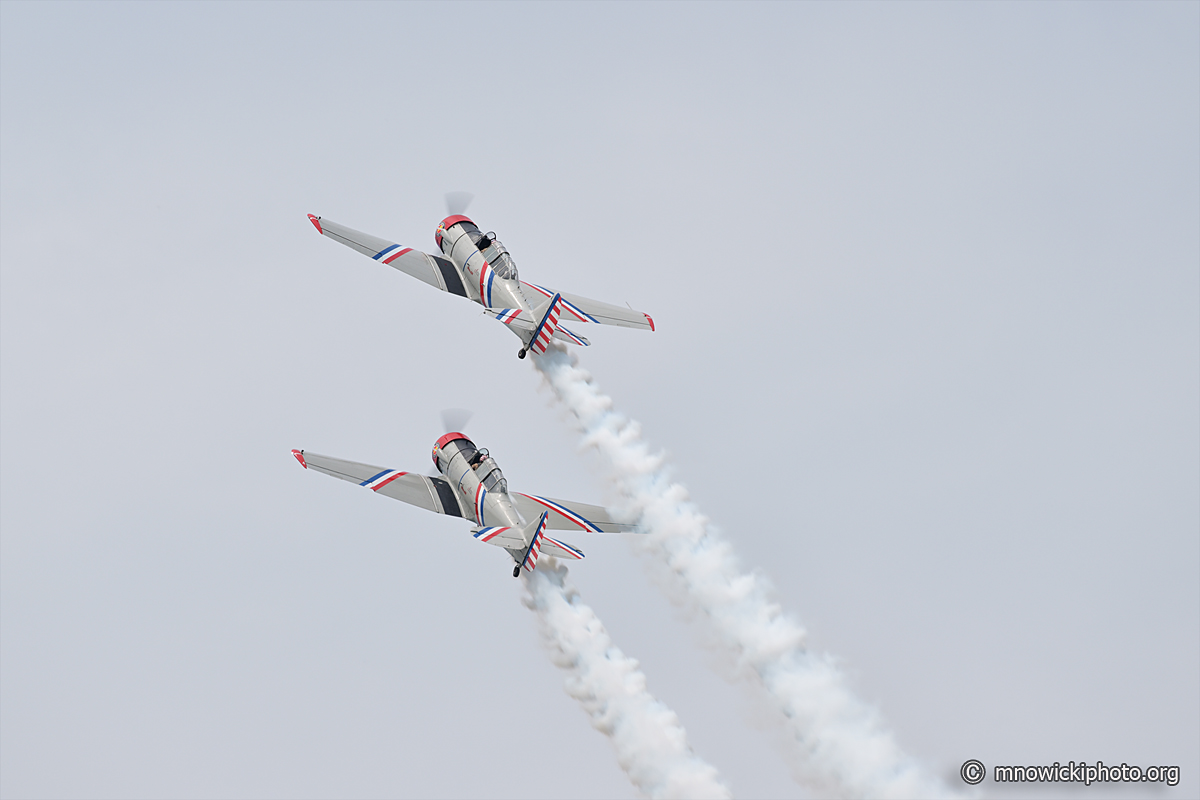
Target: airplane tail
pixel 549 323
pixel 538 327
pixel 529 562
pixel 527 544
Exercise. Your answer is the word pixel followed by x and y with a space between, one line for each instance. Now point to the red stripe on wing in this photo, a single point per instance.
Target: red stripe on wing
pixel 396 255
pixel 389 480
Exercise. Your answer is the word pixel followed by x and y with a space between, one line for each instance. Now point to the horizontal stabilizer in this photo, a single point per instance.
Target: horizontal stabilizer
pixel 512 317
pixel 553 547
pixel 508 538
pixel 523 321
pixel 515 539
pixel 564 335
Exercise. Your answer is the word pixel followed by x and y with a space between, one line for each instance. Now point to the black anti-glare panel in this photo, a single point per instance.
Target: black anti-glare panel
pixel 454 283
pixel 446 495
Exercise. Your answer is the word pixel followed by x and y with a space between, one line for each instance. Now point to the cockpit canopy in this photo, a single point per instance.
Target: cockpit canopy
pixel 496 253
pixel 453 445
pixel 493 478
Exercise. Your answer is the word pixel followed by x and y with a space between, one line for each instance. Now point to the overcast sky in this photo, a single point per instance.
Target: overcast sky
pixel 926 279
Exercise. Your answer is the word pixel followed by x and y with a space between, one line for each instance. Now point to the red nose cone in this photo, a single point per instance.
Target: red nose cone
pixel 457 218
pixel 450 437
pixel 442 442
pixel 316 221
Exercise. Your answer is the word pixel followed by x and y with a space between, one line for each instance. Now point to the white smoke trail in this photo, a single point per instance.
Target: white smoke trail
pixel 651 745
pixel 837 743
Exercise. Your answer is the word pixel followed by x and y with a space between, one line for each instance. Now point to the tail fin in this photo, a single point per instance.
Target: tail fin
pixel 549 324
pixel 529 562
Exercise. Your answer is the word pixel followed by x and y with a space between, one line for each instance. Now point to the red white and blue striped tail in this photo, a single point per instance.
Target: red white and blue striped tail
pixel 524 323
pixel 535 546
pixel 549 324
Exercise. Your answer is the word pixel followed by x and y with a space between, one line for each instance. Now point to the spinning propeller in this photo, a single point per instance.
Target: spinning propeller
pixel 455 419
pixel 457 202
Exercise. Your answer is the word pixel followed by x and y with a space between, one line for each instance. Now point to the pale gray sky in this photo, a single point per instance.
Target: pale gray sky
pixel 927 286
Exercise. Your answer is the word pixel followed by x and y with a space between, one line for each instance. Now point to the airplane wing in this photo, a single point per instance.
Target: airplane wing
pixel 567 515
pixel 434 270
pixel 431 494
pixel 584 310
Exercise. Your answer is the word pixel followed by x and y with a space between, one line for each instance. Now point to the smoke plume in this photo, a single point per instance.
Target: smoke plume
pixel 651 745
pixel 837 744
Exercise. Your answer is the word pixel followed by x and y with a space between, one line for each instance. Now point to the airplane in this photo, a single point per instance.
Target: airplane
pixel 472 486
pixel 475 265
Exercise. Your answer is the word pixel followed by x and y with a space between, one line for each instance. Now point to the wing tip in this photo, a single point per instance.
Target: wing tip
pixel 316 221
pixel 299 454
pixel 650 320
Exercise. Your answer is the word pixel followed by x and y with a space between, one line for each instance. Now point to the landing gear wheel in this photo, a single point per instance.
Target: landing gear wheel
pixel 517 571
pixel 521 353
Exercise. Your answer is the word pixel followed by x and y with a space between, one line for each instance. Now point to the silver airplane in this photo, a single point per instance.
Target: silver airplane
pixel 477 266
pixel 472 486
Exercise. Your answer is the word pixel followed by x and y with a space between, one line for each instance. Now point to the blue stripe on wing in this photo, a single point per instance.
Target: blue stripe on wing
pixel 375 477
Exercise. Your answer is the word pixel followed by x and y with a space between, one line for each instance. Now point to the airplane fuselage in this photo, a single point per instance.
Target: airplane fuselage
pixel 478 480
pixel 491 274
